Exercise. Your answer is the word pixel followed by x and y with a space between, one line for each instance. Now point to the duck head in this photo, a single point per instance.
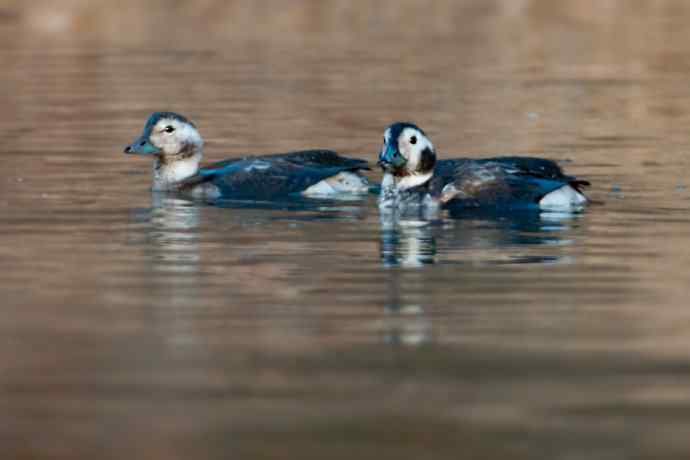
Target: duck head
pixel 175 145
pixel 407 154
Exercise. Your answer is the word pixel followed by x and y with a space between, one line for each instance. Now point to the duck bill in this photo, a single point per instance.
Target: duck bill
pixel 390 160
pixel 142 146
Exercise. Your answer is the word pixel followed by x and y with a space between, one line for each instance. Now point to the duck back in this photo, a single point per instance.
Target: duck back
pixel 508 181
pixel 266 177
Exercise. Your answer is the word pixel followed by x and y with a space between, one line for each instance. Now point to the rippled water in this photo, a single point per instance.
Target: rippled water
pixel 144 326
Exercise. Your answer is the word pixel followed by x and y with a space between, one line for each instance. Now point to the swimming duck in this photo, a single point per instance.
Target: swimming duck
pixel 413 177
pixel 176 147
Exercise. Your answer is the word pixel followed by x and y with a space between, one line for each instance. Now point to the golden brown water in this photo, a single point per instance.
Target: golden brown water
pixel 141 327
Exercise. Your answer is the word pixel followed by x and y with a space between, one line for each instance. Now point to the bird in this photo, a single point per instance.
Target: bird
pixel 413 177
pixel 176 147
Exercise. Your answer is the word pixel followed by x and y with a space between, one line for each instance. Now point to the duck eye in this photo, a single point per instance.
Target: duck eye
pixel 168 129
pixel 413 140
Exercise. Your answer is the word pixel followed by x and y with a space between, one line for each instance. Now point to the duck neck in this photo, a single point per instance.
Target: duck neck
pixel 394 188
pixel 170 170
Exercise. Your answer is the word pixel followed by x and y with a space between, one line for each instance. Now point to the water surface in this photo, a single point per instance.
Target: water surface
pixel 144 326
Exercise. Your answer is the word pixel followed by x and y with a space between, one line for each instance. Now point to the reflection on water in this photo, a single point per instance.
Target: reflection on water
pixel 407 243
pixel 407 325
pixel 337 207
pixel 174 234
pixel 414 243
pixel 403 323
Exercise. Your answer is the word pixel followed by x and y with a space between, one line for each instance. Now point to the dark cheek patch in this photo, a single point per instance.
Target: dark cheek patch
pixel 187 151
pixel 162 161
pixel 426 161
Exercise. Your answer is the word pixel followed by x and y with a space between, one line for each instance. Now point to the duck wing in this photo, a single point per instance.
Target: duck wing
pixel 271 176
pixel 539 168
pixel 321 158
pixel 500 181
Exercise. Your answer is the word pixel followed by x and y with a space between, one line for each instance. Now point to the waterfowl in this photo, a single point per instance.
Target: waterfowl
pixel 176 147
pixel 414 177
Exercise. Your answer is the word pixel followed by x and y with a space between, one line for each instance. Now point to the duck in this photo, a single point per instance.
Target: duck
pixel 413 177
pixel 176 147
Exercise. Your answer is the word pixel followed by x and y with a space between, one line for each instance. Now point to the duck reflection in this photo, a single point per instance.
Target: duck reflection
pixel 407 325
pixel 405 322
pixel 170 239
pixel 173 234
pixel 475 236
pixel 407 243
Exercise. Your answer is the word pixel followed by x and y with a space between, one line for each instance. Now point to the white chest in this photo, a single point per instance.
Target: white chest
pixel 166 176
pixel 413 180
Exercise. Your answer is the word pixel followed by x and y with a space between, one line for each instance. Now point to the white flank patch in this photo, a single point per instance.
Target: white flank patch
pixel 206 191
pixel 344 182
pixel 320 189
pixel 565 197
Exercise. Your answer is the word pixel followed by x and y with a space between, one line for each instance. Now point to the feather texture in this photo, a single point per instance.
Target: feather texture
pixel 270 176
pixel 499 181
